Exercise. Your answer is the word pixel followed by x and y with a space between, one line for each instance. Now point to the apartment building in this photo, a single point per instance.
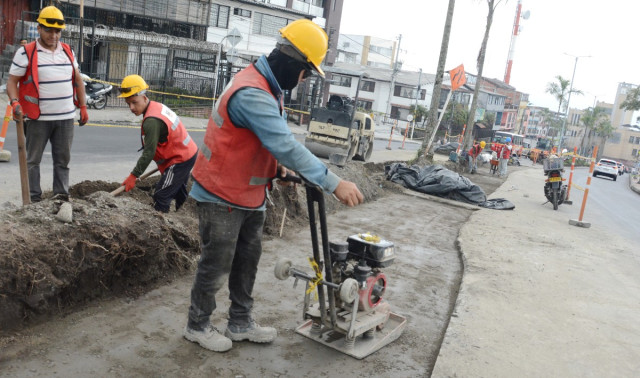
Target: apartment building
pixel 375 92
pixel 366 51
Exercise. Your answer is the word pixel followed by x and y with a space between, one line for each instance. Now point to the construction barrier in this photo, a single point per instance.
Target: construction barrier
pixel 391 135
pixel 573 164
pixel 460 138
pixel 579 222
pixel 5 125
pixel 406 129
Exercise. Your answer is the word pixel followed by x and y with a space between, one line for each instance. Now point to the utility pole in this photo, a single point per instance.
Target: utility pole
pixel 415 109
pixel 393 75
pixel 566 113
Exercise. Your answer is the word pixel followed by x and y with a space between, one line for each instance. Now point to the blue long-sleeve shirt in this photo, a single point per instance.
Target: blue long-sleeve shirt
pixel 258 111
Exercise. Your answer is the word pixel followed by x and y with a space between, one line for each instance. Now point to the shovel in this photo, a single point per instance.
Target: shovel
pixel 142 177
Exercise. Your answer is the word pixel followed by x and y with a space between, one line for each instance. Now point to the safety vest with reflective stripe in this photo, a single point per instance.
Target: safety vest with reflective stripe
pixel 232 163
pixel 28 90
pixel 179 146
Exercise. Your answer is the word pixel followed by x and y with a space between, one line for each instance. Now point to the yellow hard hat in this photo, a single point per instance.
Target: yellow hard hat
pixel 309 39
pixel 51 17
pixel 132 85
pixel 483 143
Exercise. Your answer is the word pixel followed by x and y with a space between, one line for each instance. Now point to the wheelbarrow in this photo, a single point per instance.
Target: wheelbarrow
pixel 493 167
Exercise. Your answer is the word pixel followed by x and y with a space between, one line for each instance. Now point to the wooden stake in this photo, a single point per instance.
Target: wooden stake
pixel 284 216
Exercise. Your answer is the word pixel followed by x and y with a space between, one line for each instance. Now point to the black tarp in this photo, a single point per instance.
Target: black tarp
pixel 442 182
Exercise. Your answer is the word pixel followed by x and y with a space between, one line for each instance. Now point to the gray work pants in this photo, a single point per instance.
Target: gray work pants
pixel 231 243
pixel 60 134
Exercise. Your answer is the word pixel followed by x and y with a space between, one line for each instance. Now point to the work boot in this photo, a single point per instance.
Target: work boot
pixel 209 338
pixel 253 332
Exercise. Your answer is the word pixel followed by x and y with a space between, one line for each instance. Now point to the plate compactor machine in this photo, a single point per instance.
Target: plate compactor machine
pixel 351 315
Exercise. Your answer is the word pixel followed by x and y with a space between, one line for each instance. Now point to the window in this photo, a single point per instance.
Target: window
pixel 266 24
pixel 637 140
pixel 342 81
pixel 631 139
pixel 242 12
pixel 219 16
pixel 368 86
pixel 634 153
pixel 406 92
pixel 366 105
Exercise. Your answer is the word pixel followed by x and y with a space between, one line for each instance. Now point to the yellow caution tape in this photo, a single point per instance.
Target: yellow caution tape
pixel 314 282
pixel 115 85
pixel 574 185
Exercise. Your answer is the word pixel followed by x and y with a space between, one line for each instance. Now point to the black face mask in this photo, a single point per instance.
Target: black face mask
pixel 286 69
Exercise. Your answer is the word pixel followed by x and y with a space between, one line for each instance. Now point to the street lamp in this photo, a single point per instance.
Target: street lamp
pixel 566 112
pixel 234 37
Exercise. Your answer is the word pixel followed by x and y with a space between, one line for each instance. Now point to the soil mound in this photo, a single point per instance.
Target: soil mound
pixel 120 245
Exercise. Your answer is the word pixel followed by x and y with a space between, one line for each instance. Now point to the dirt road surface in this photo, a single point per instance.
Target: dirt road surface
pixel 142 336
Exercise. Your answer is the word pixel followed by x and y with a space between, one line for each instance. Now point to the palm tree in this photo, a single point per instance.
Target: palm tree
pixel 595 121
pixel 432 119
pixel 483 49
pixel 560 90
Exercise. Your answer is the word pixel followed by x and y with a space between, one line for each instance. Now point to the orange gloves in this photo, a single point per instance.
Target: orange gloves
pixel 84 117
pixel 130 182
pixel 17 110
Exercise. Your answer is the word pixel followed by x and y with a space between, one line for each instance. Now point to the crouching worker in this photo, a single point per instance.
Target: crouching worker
pixel 165 140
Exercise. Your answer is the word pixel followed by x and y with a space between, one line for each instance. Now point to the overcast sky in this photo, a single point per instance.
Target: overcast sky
pixel 606 31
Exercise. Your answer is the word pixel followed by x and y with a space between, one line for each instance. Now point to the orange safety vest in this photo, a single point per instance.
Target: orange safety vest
pixel 28 90
pixel 179 146
pixel 475 150
pixel 505 152
pixel 232 163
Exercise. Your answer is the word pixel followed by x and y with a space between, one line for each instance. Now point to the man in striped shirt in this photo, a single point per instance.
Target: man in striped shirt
pixel 45 86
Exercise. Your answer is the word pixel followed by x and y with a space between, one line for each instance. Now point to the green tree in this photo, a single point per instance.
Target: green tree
pixel 455 117
pixel 596 123
pixel 560 91
pixel 632 102
pixel 419 112
pixel 489 119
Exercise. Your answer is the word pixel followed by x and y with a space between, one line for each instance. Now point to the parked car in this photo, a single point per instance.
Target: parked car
pixel 606 167
pixel 620 168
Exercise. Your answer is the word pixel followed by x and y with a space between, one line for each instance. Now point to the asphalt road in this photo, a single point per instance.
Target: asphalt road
pixel 610 203
pixel 109 153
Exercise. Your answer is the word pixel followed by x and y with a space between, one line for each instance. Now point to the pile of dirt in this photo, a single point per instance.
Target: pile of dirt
pixel 120 246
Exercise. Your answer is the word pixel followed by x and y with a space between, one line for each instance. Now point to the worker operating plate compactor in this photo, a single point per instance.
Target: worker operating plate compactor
pixel 350 315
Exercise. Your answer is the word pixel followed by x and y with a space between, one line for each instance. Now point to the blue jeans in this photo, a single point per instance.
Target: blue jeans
pixel 60 134
pixel 473 164
pixel 231 243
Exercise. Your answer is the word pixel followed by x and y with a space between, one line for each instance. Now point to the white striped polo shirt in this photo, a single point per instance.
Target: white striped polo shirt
pixel 54 78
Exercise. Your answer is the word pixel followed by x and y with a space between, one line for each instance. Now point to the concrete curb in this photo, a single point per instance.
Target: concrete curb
pixel 635 186
pixel 441 200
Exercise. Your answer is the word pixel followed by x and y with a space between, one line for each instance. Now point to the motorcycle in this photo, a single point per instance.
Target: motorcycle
pixel 96 92
pixel 554 188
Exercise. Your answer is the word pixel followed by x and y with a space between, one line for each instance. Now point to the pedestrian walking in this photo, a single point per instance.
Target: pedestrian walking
pixel 46 87
pixel 165 140
pixel 474 152
pixel 248 142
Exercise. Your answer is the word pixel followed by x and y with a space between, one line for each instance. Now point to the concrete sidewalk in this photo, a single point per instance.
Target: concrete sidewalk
pixel 542 298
